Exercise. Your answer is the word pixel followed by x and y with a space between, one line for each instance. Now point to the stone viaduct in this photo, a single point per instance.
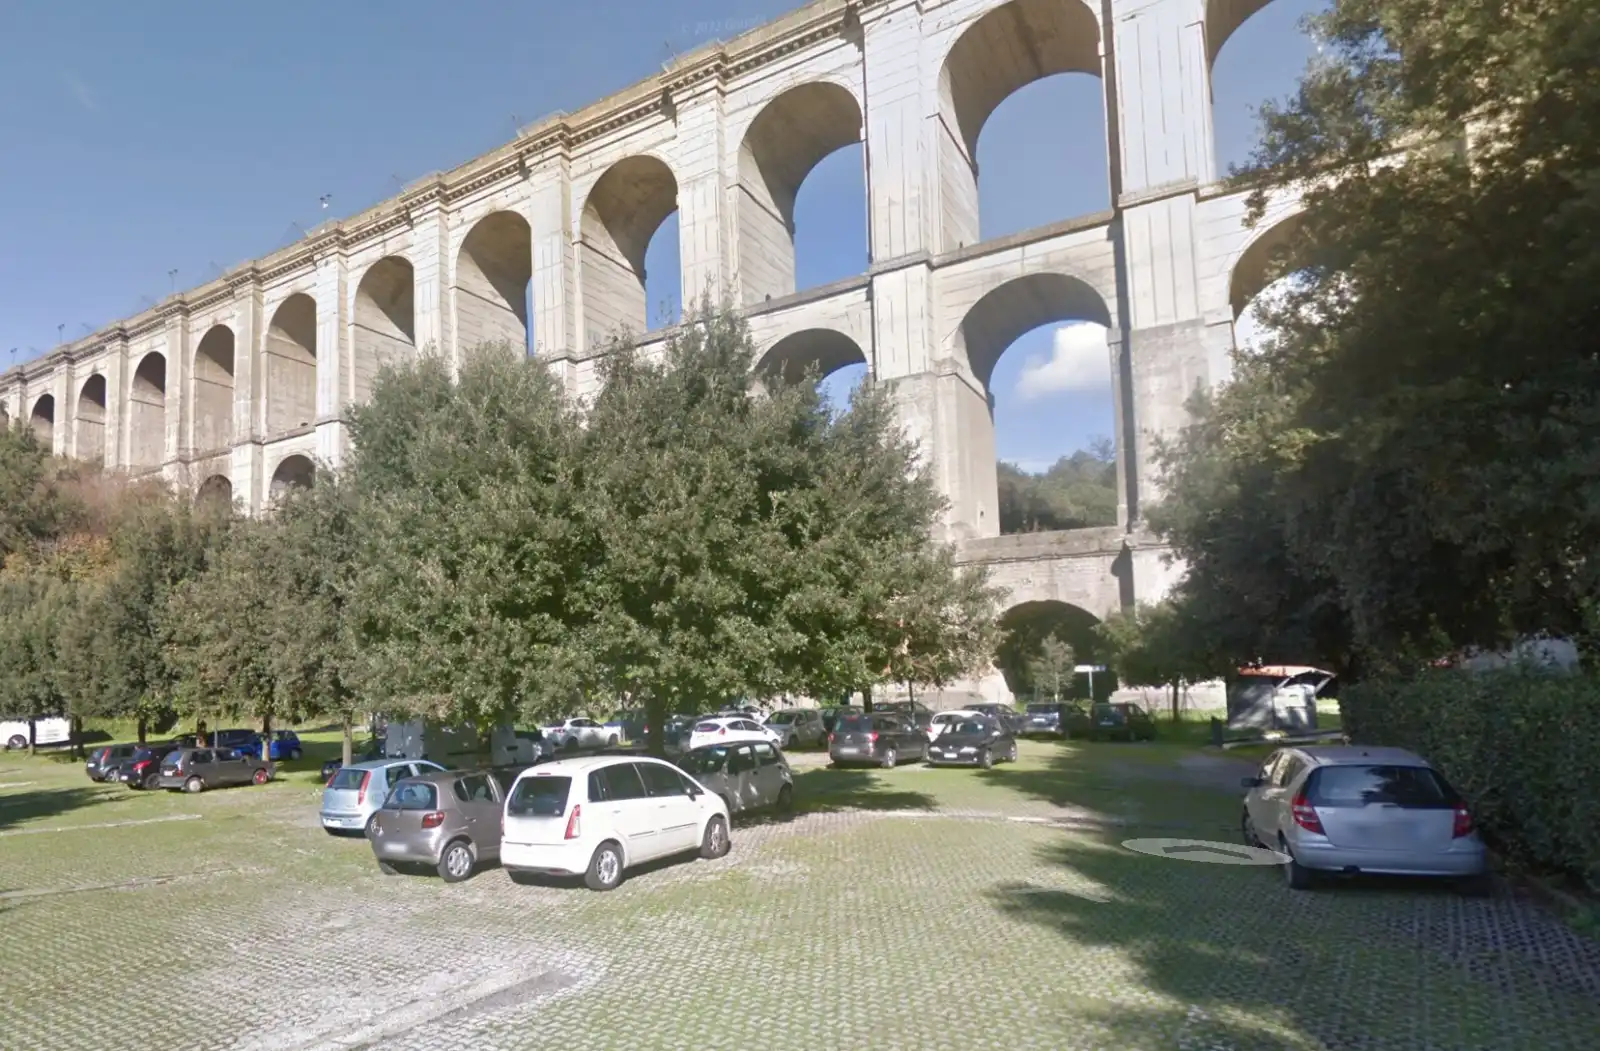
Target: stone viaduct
pixel 236 387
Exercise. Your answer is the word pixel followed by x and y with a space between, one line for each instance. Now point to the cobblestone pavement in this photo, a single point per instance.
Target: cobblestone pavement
pixel 915 908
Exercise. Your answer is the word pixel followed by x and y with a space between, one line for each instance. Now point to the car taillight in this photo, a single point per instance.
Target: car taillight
pixel 433 820
pixel 721 730
pixel 361 793
pixel 830 739
pixel 872 738
pixel 1305 815
pixel 1463 821
pixel 572 822
pixel 140 765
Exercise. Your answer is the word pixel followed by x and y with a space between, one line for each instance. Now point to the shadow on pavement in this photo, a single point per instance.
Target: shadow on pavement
pixel 19 807
pixel 1244 962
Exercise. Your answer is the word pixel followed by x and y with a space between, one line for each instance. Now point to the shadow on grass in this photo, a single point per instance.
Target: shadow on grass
pixel 19 807
pixel 827 789
pixel 1244 962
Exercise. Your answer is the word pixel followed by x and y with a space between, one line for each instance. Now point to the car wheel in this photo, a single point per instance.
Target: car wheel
pixel 294 754
pixel 151 782
pixel 986 759
pixel 605 868
pixel 1296 875
pixel 611 742
pixel 786 799
pixel 261 777
pixel 366 830
pixel 889 759
pixel 17 743
pixel 715 843
pixel 456 863
pixel 1015 752
pixel 387 869
pixel 194 784
pixel 570 745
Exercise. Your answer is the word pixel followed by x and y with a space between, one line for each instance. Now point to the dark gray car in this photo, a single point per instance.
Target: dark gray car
pixel 103 762
pixel 880 740
pixel 748 776
pixel 447 819
pixel 197 769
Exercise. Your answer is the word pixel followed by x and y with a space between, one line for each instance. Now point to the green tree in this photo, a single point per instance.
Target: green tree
pixel 33 503
pixel 1051 666
pixel 1078 491
pixel 1167 643
pixel 1407 466
pixel 468 540
pixel 754 544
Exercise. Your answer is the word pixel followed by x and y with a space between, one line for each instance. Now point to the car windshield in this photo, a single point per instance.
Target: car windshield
pixel 705 760
pixel 412 795
pixel 1404 786
pixel 541 795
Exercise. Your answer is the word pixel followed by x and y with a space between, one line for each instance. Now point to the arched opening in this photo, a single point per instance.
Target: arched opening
pixel 1259 282
pixel 494 283
pixel 1037 348
pixel 215 493
pixel 1256 50
pixel 385 321
pixel 1046 156
pixel 43 419
pixel 833 354
pixel 291 361
pixel 147 412
pixel 790 139
pixel 292 473
pixel 89 426
pixel 1041 645
pixel 213 389
pixel 624 217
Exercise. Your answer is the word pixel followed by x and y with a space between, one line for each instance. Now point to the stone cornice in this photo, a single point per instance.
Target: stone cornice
pixel 710 67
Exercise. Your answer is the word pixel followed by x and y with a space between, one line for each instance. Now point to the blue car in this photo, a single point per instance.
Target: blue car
pixel 285 745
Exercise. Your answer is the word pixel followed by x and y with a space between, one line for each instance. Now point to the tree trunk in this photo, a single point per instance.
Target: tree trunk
pixel 266 738
pixel 77 737
pixel 33 734
pixel 866 698
pixel 349 738
pixel 655 725
pixel 200 733
pixel 1175 685
pixel 142 728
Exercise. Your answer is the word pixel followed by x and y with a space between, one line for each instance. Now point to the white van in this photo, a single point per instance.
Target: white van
pixel 597 816
pixel 47 729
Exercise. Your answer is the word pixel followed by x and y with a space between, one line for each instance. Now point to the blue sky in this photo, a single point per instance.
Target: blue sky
pixel 139 139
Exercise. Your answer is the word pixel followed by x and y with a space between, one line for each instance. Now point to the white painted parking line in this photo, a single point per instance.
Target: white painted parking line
pixel 17 784
pixel 101 824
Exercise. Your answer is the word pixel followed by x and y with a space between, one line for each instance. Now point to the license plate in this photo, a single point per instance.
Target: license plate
pixel 1108 722
pixel 851 749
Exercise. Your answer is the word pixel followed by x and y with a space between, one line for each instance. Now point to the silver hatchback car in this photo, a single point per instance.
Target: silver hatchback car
pixel 354 793
pixel 1352 810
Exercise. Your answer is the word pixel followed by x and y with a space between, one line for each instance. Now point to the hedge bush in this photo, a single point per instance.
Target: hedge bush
pixel 1523 748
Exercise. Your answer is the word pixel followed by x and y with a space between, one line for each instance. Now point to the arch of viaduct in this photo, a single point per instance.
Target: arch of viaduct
pixel 233 388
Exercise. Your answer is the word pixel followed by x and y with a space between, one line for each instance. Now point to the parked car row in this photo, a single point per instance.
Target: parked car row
pixel 176 766
pixel 970 739
pixel 534 821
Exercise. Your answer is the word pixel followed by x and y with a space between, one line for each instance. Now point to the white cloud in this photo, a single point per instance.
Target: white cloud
pixel 1079 361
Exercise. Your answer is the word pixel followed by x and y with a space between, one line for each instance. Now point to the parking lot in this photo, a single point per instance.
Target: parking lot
pixel 907 908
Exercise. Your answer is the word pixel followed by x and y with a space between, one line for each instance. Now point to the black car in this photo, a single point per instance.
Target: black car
pixel 142 769
pixel 1114 722
pixel 881 740
pixel 103 762
pixel 973 742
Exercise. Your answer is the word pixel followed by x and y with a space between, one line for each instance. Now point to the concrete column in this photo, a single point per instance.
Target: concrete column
pixel 333 355
pixel 555 328
pixel 60 387
pixel 178 368
pixel 903 205
pixel 116 455
pixel 705 233
pixel 1162 94
pixel 249 341
pixel 430 263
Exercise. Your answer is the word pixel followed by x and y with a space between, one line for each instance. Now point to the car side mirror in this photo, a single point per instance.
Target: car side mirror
pixel 1250 782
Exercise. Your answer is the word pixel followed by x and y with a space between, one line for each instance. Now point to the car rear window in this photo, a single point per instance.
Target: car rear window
pixel 412 795
pixel 348 777
pixel 1042 709
pixel 541 795
pixel 968 728
pixel 1354 786
pixel 855 723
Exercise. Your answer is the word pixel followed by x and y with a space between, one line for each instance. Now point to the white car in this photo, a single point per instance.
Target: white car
pixel 729 729
pixel 47 729
pixel 597 816
pixel 573 734
pixel 942 721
